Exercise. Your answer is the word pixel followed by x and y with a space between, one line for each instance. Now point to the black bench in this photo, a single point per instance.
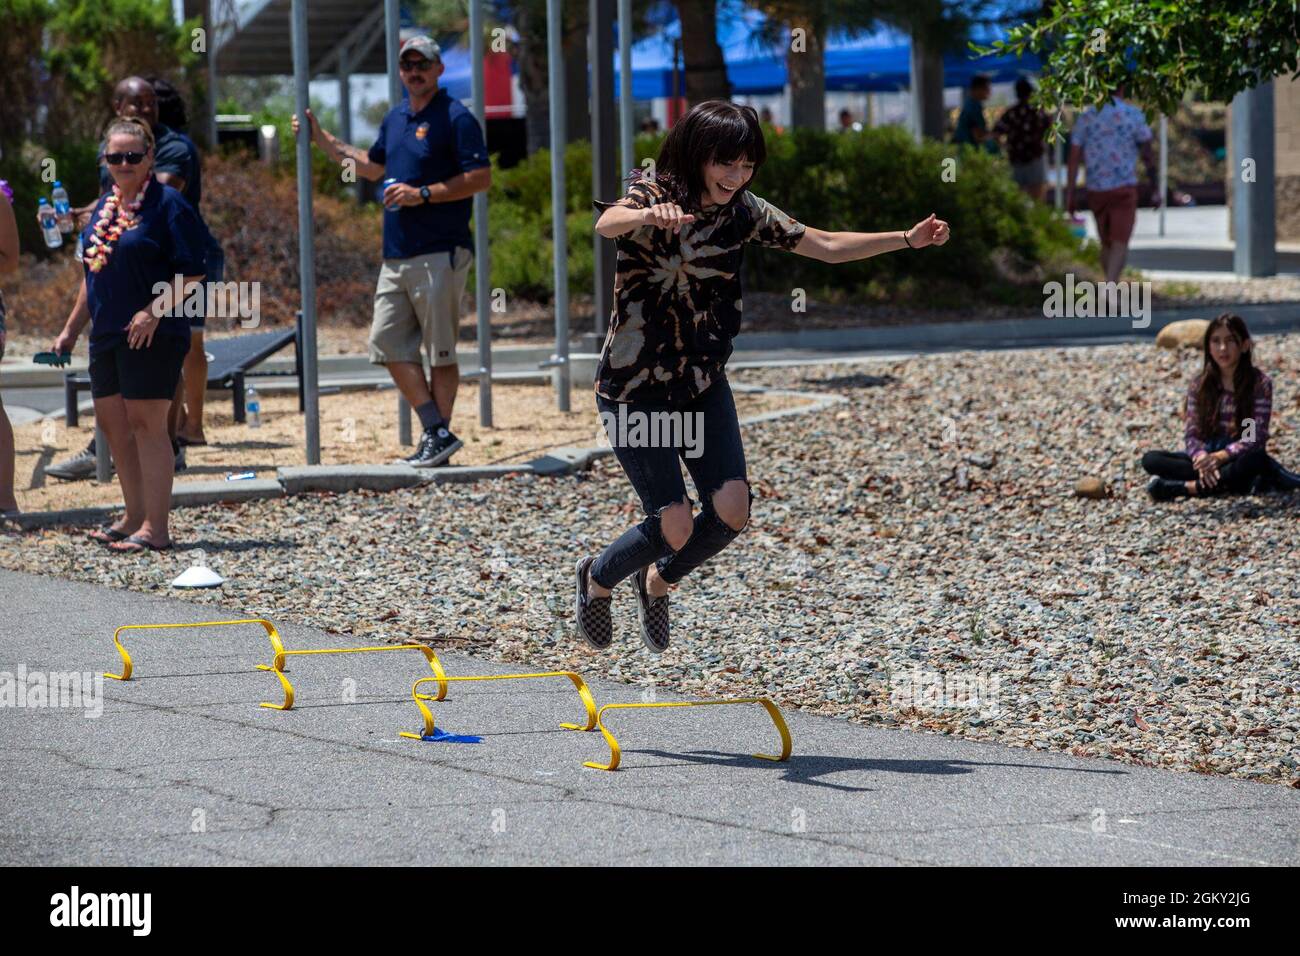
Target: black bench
pixel 229 360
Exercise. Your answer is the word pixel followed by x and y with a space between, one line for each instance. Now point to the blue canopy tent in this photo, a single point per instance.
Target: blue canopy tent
pixel 862 69
pixel 876 63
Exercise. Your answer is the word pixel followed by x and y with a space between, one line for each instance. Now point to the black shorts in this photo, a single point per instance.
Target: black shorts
pixel 139 374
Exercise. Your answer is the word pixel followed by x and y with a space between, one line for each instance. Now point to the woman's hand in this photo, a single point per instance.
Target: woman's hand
pixel 928 232
pixel 65 343
pixel 1207 464
pixel 139 334
pixel 667 215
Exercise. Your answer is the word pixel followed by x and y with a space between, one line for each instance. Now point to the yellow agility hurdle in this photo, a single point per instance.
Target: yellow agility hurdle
pixel 588 702
pixel 771 708
pixel 126 658
pixel 277 667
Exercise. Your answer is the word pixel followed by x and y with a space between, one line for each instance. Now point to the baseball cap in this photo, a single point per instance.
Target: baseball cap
pixel 423 45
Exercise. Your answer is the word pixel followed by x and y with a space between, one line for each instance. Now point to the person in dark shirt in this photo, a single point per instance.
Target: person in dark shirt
pixel 431 152
pixel 972 129
pixel 176 164
pixel 141 254
pixel 680 237
pixel 1023 128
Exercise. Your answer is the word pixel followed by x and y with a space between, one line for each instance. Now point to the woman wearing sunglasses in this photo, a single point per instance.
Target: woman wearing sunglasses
pixel 143 238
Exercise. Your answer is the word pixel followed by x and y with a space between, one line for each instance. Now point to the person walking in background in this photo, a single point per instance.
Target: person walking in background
pixel 142 234
pixel 8 263
pixel 1226 419
pixel 431 150
pixel 1023 128
pixel 1108 142
pixel 176 164
pixel 972 129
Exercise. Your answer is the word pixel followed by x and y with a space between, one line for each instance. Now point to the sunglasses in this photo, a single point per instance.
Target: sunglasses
pixel 415 66
pixel 131 159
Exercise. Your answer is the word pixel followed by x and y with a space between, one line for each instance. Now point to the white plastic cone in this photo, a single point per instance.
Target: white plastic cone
pixel 199 577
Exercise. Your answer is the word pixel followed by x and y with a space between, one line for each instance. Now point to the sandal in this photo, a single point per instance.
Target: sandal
pixel 107 535
pixel 137 544
pixel 189 442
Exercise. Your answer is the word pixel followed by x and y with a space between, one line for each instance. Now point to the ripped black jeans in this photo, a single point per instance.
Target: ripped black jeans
pixel 651 441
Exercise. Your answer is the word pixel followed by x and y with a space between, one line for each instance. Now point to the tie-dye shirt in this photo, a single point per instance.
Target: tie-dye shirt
pixel 677 296
pixel 1110 139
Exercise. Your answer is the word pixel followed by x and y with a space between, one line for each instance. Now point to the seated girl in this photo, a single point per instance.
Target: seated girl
pixel 1229 404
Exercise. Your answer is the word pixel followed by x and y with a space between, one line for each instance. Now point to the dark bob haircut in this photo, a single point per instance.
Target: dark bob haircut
pixel 713 131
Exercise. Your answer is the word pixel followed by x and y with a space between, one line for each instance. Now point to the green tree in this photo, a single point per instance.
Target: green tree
pixel 94 43
pixel 1158 50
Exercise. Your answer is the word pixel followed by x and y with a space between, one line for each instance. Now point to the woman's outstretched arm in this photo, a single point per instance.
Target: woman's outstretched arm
pixel 851 246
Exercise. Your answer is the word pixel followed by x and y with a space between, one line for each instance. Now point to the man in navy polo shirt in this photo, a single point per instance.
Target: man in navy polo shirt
pixel 431 155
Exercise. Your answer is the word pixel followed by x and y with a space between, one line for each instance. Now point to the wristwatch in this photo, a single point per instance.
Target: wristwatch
pixel 424 193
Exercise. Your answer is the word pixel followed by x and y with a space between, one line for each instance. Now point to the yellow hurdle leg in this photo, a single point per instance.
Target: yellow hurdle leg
pixel 615 753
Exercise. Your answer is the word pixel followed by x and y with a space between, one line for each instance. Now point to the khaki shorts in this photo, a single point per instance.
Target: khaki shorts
pixel 417 308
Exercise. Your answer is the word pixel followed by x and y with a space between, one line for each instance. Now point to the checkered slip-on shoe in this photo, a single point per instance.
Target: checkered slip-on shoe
pixel 653 613
pixel 592 613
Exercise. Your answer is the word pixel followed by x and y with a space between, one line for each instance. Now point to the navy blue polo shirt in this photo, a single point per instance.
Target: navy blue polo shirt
pixel 440 141
pixel 169 240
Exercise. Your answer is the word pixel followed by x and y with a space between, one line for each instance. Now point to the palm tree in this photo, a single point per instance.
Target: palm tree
pixel 801 26
pixel 706 71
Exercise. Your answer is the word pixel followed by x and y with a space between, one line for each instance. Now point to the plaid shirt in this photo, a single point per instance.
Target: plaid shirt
pixel 1227 428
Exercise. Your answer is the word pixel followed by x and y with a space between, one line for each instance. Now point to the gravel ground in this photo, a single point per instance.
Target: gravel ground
pixel 917 558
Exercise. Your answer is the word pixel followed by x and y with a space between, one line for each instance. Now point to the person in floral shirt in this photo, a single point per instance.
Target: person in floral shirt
pixel 680 233
pixel 1108 142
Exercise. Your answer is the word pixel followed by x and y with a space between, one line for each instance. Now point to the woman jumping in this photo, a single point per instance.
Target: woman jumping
pixel 680 236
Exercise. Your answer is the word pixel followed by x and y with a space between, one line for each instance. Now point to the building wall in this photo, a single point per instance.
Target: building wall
pixel 1286 130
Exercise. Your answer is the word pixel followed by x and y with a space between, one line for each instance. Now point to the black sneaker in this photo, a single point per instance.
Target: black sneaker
pixel 436 446
pixel 1166 489
pixel 653 612
pixel 592 613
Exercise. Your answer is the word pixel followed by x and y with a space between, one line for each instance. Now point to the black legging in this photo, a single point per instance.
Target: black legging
pixel 1235 475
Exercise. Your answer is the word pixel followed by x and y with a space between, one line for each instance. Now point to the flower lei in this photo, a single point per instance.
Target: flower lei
pixel 114 219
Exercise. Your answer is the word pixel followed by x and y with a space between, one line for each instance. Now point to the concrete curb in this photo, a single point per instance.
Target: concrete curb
pixel 340 479
pixel 1011 333
pixel 188 494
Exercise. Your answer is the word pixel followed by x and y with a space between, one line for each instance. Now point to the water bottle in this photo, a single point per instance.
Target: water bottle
pixel 49 224
pixel 62 208
pixel 253 407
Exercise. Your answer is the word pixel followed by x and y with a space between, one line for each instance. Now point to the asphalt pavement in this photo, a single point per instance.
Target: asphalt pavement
pixel 181 766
